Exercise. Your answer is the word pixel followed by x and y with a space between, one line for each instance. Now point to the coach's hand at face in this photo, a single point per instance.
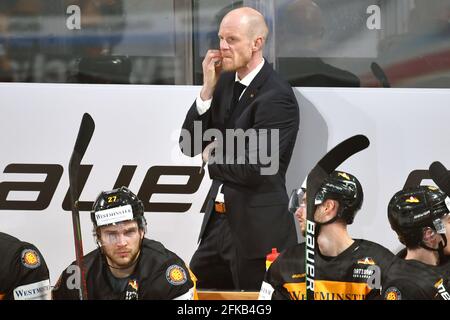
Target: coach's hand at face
pixel 212 66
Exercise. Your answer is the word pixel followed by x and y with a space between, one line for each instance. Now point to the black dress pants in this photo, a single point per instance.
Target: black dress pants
pixel 218 264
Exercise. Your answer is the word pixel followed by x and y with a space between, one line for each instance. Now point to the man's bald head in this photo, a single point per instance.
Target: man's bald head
pixel 242 35
pixel 250 19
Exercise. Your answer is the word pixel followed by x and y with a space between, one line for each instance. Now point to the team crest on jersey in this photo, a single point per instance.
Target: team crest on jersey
pixel 133 284
pixel 392 293
pixel 366 260
pixel 30 259
pixel 132 290
pixel 176 275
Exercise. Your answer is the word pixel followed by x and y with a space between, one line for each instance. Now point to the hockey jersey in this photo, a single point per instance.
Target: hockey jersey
pixel 414 280
pixel 23 272
pixel 352 275
pixel 159 275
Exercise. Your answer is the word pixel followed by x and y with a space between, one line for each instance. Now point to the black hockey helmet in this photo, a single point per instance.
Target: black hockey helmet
pixel 344 188
pixel 413 209
pixel 117 205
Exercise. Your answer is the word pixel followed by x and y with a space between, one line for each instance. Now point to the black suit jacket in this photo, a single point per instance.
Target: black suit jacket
pixel 256 204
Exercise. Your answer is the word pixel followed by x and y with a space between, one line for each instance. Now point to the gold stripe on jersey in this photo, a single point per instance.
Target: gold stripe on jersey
pixel 329 290
pixel 194 280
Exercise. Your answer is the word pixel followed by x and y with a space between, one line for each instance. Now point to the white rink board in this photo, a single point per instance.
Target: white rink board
pixel 139 125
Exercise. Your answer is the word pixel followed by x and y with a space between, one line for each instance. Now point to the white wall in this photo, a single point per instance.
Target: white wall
pixel 139 125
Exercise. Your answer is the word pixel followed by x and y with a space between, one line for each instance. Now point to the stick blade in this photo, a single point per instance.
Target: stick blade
pixel 333 159
pixel 84 136
pixel 344 150
pixel 440 176
pixel 85 133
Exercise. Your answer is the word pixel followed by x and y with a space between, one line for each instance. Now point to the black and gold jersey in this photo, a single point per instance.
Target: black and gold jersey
pixel 414 280
pixel 159 275
pixel 347 276
pixel 23 272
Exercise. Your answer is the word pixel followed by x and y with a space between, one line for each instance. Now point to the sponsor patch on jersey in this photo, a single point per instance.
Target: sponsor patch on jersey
pixel 30 259
pixel 366 260
pixel 298 275
pixel 33 291
pixel 176 275
pixel 392 293
pixel 362 272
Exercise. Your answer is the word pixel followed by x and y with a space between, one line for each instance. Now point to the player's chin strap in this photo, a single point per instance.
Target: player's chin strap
pixel 320 224
pixel 440 249
pixel 439 227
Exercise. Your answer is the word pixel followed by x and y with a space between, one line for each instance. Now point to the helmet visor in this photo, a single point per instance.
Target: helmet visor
pixel 295 200
pixel 122 233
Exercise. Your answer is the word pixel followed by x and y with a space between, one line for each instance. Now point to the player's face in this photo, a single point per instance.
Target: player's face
pixel 300 215
pixel 121 243
pixel 235 44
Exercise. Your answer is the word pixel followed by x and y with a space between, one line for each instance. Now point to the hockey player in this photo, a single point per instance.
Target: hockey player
pixel 343 265
pixel 23 271
pixel 126 265
pixel 421 219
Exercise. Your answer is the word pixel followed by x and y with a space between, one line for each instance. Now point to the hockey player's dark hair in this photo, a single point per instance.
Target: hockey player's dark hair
pixel 412 210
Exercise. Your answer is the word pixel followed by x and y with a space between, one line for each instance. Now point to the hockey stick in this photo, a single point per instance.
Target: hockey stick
pixel 333 159
pixel 84 137
pixel 440 176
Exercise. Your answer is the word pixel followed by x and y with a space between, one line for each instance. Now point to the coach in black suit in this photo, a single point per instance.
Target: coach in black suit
pixel 247 210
